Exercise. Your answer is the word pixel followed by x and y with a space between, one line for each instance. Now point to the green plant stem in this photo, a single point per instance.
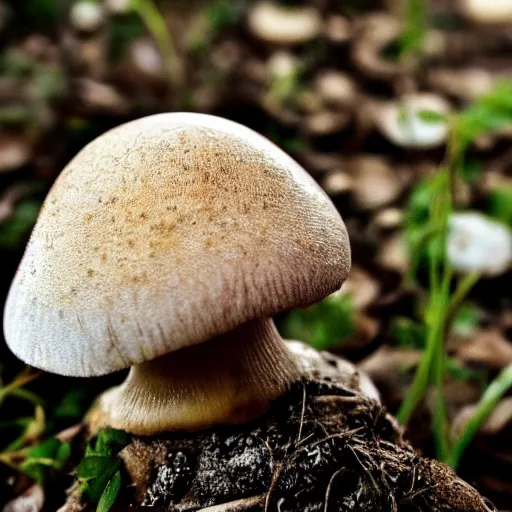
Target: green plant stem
pixel 154 22
pixel 414 34
pixel 488 402
pixel 22 379
pixel 437 321
pixel 461 292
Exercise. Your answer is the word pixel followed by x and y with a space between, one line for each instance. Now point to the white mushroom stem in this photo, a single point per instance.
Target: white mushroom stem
pixel 229 379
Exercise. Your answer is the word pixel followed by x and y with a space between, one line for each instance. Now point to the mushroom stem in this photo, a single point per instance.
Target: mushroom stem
pixel 228 379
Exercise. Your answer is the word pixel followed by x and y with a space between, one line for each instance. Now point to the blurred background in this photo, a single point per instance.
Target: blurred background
pixel 400 109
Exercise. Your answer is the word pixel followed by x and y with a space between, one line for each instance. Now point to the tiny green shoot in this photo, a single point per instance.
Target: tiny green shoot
pixel 427 229
pixel 99 473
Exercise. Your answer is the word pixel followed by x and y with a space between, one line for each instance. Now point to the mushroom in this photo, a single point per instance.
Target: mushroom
pixel 467 84
pixel 118 6
pixel 477 243
pixel 288 26
pixel 336 88
pixel 15 152
pixel 338 29
pixel 166 245
pixel 487 12
pixel 86 16
pixel 400 121
pixel 375 183
pixel 374 33
pixel 388 219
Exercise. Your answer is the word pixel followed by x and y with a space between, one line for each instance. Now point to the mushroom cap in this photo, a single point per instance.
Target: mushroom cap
pixel 400 121
pixel 163 233
pixel 487 12
pixel 275 24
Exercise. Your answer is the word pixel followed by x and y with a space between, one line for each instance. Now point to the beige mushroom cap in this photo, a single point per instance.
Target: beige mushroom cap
pixel 487 11
pixel 400 121
pixel 275 24
pixel 165 232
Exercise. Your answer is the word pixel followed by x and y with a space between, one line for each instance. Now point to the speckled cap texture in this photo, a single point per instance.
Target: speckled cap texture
pixel 165 232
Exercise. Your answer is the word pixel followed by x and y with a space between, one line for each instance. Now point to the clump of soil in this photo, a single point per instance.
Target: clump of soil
pixel 321 448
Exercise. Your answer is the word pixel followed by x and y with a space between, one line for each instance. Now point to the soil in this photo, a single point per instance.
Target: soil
pixel 322 447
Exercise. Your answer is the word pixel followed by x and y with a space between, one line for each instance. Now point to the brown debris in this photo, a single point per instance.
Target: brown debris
pixel 31 500
pixel 488 348
pixel 15 152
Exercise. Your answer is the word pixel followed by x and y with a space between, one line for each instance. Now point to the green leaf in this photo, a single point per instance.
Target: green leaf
pixel 63 453
pixel 122 31
pixel 466 319
pixel 72 404
pixel 499 205
pixel 15 114
pixel 323 325
pixel 488 113
pixel 108 441
pixel 95 466
pixel 43 12
pixel 471 170
pixel 46 449
pixel 408 333
pixel 94 487
pixel 101 462
pixel 43 457
pixel 459 372
pixel 110 493
pixel 430 116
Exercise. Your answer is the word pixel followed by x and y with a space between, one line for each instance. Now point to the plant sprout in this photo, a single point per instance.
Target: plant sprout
pixel 429 230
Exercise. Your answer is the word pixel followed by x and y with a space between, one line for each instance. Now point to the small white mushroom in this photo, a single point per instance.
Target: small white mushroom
pixel 467 84
pixel 97 95
pixel 86 15
pixel 146 58
pixel 394 254
pixel 477 243
pixel 275 24
pixel 325 122
pixel 166 246
pixel 336 88
pixel 15 152
pixel 375 183
pixel 337 182
pixel 283 64
pixel 338 29
pixel 389 218
pixel 118 6
pixel 487 11
pixel 400 121
pixel 373 33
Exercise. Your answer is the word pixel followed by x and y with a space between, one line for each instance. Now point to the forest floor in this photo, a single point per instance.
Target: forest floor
pixel 390 106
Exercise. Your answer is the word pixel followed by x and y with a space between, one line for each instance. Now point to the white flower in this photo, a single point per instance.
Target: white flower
pixel 477 243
